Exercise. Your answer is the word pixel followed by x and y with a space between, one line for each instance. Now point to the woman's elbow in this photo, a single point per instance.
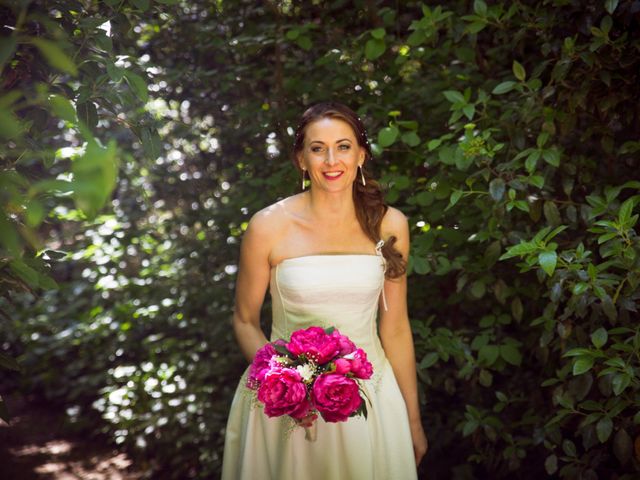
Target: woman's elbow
pixel 395 331
pixel 242 322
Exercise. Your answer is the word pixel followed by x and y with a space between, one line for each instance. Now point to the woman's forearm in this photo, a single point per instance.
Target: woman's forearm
pixel 398 347
pixel 249 336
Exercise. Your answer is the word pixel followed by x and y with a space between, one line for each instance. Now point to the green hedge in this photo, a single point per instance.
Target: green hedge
pixel 506 132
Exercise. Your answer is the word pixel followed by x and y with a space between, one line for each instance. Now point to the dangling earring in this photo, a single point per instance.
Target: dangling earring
pixel 362 175
pixel 303 170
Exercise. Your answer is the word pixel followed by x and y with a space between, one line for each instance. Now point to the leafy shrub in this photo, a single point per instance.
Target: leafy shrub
pixel 506 132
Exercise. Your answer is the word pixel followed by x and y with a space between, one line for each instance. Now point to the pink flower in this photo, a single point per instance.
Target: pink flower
pixel 346 346
pixel 360 366
pixel 336 397
pixel 283 393
pixel 315 344
pixel 260 366
pixel 343 366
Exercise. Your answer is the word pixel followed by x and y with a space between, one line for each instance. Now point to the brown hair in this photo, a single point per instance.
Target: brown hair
pixel 368 199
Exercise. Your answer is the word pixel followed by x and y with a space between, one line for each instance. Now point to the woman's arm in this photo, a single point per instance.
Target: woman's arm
pixel 251 285
pixel 395 333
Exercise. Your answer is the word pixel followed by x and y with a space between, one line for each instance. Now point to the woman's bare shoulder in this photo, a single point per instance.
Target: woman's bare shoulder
pixel 272 221
pixel 394 223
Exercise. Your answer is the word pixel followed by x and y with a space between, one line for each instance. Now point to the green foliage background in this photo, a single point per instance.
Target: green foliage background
pixel 134 152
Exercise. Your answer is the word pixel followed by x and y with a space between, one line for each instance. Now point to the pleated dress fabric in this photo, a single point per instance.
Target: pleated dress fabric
pixel 340 290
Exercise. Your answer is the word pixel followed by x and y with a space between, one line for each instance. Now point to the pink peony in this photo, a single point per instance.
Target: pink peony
pixel 343 366
pixel 315 344
pixel 261 365
pixel 336 397
pixel 346 346
pixel 360 366
pixel 283 393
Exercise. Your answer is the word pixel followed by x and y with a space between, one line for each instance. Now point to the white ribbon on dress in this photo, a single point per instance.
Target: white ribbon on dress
pixel 384 261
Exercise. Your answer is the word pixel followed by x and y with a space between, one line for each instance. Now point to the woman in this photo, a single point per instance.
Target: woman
pixel 332 255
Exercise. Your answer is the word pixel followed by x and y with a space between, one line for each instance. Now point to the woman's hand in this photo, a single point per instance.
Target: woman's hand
pixel 308 420
pixel 420 442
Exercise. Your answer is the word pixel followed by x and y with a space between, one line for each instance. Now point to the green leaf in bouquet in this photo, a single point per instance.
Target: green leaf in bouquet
pixel 281 349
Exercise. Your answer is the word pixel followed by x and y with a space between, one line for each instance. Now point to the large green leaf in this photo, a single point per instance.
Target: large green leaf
pixel 63 108
pixel 151 143
pixel 599 337
pixel 488 354
pixel 625 211
pixel 620 382
pixel 504 87
pixel 511 354
pixel 582 364
pixel 547 261
pixel 24 272
pixel 387 136
pixel 55 56
pixel 374 48
pixel 411 138
pixel 137 84
pixel 95 177
pixel 519 71
pixel 10 126
pixel 604 427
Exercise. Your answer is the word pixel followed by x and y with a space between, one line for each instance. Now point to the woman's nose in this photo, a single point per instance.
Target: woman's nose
pixel 330 157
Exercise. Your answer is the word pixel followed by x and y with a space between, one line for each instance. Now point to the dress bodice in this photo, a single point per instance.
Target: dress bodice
pixel 339 290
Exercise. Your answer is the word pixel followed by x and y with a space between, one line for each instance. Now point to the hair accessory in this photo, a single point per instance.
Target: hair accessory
pixel 362 175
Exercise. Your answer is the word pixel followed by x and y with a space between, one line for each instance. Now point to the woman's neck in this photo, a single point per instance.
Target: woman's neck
pixel 334 208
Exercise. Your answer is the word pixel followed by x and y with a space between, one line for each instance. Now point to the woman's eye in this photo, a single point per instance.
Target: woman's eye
pixel 316 149
pixel 346 147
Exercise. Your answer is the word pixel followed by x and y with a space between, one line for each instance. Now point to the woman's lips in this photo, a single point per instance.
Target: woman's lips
pixel 333 176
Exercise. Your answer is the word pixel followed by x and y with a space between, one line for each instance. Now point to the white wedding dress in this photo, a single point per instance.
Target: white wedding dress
pixel 340 290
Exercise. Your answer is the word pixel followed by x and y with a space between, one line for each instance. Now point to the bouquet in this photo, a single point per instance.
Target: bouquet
pixel 316 372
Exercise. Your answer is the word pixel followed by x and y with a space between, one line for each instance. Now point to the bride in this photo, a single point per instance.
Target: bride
pixel 332 255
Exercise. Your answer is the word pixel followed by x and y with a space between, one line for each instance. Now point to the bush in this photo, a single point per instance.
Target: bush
pixel 506 132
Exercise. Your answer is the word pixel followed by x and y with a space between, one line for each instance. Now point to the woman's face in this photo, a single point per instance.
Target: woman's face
pixel 331 154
